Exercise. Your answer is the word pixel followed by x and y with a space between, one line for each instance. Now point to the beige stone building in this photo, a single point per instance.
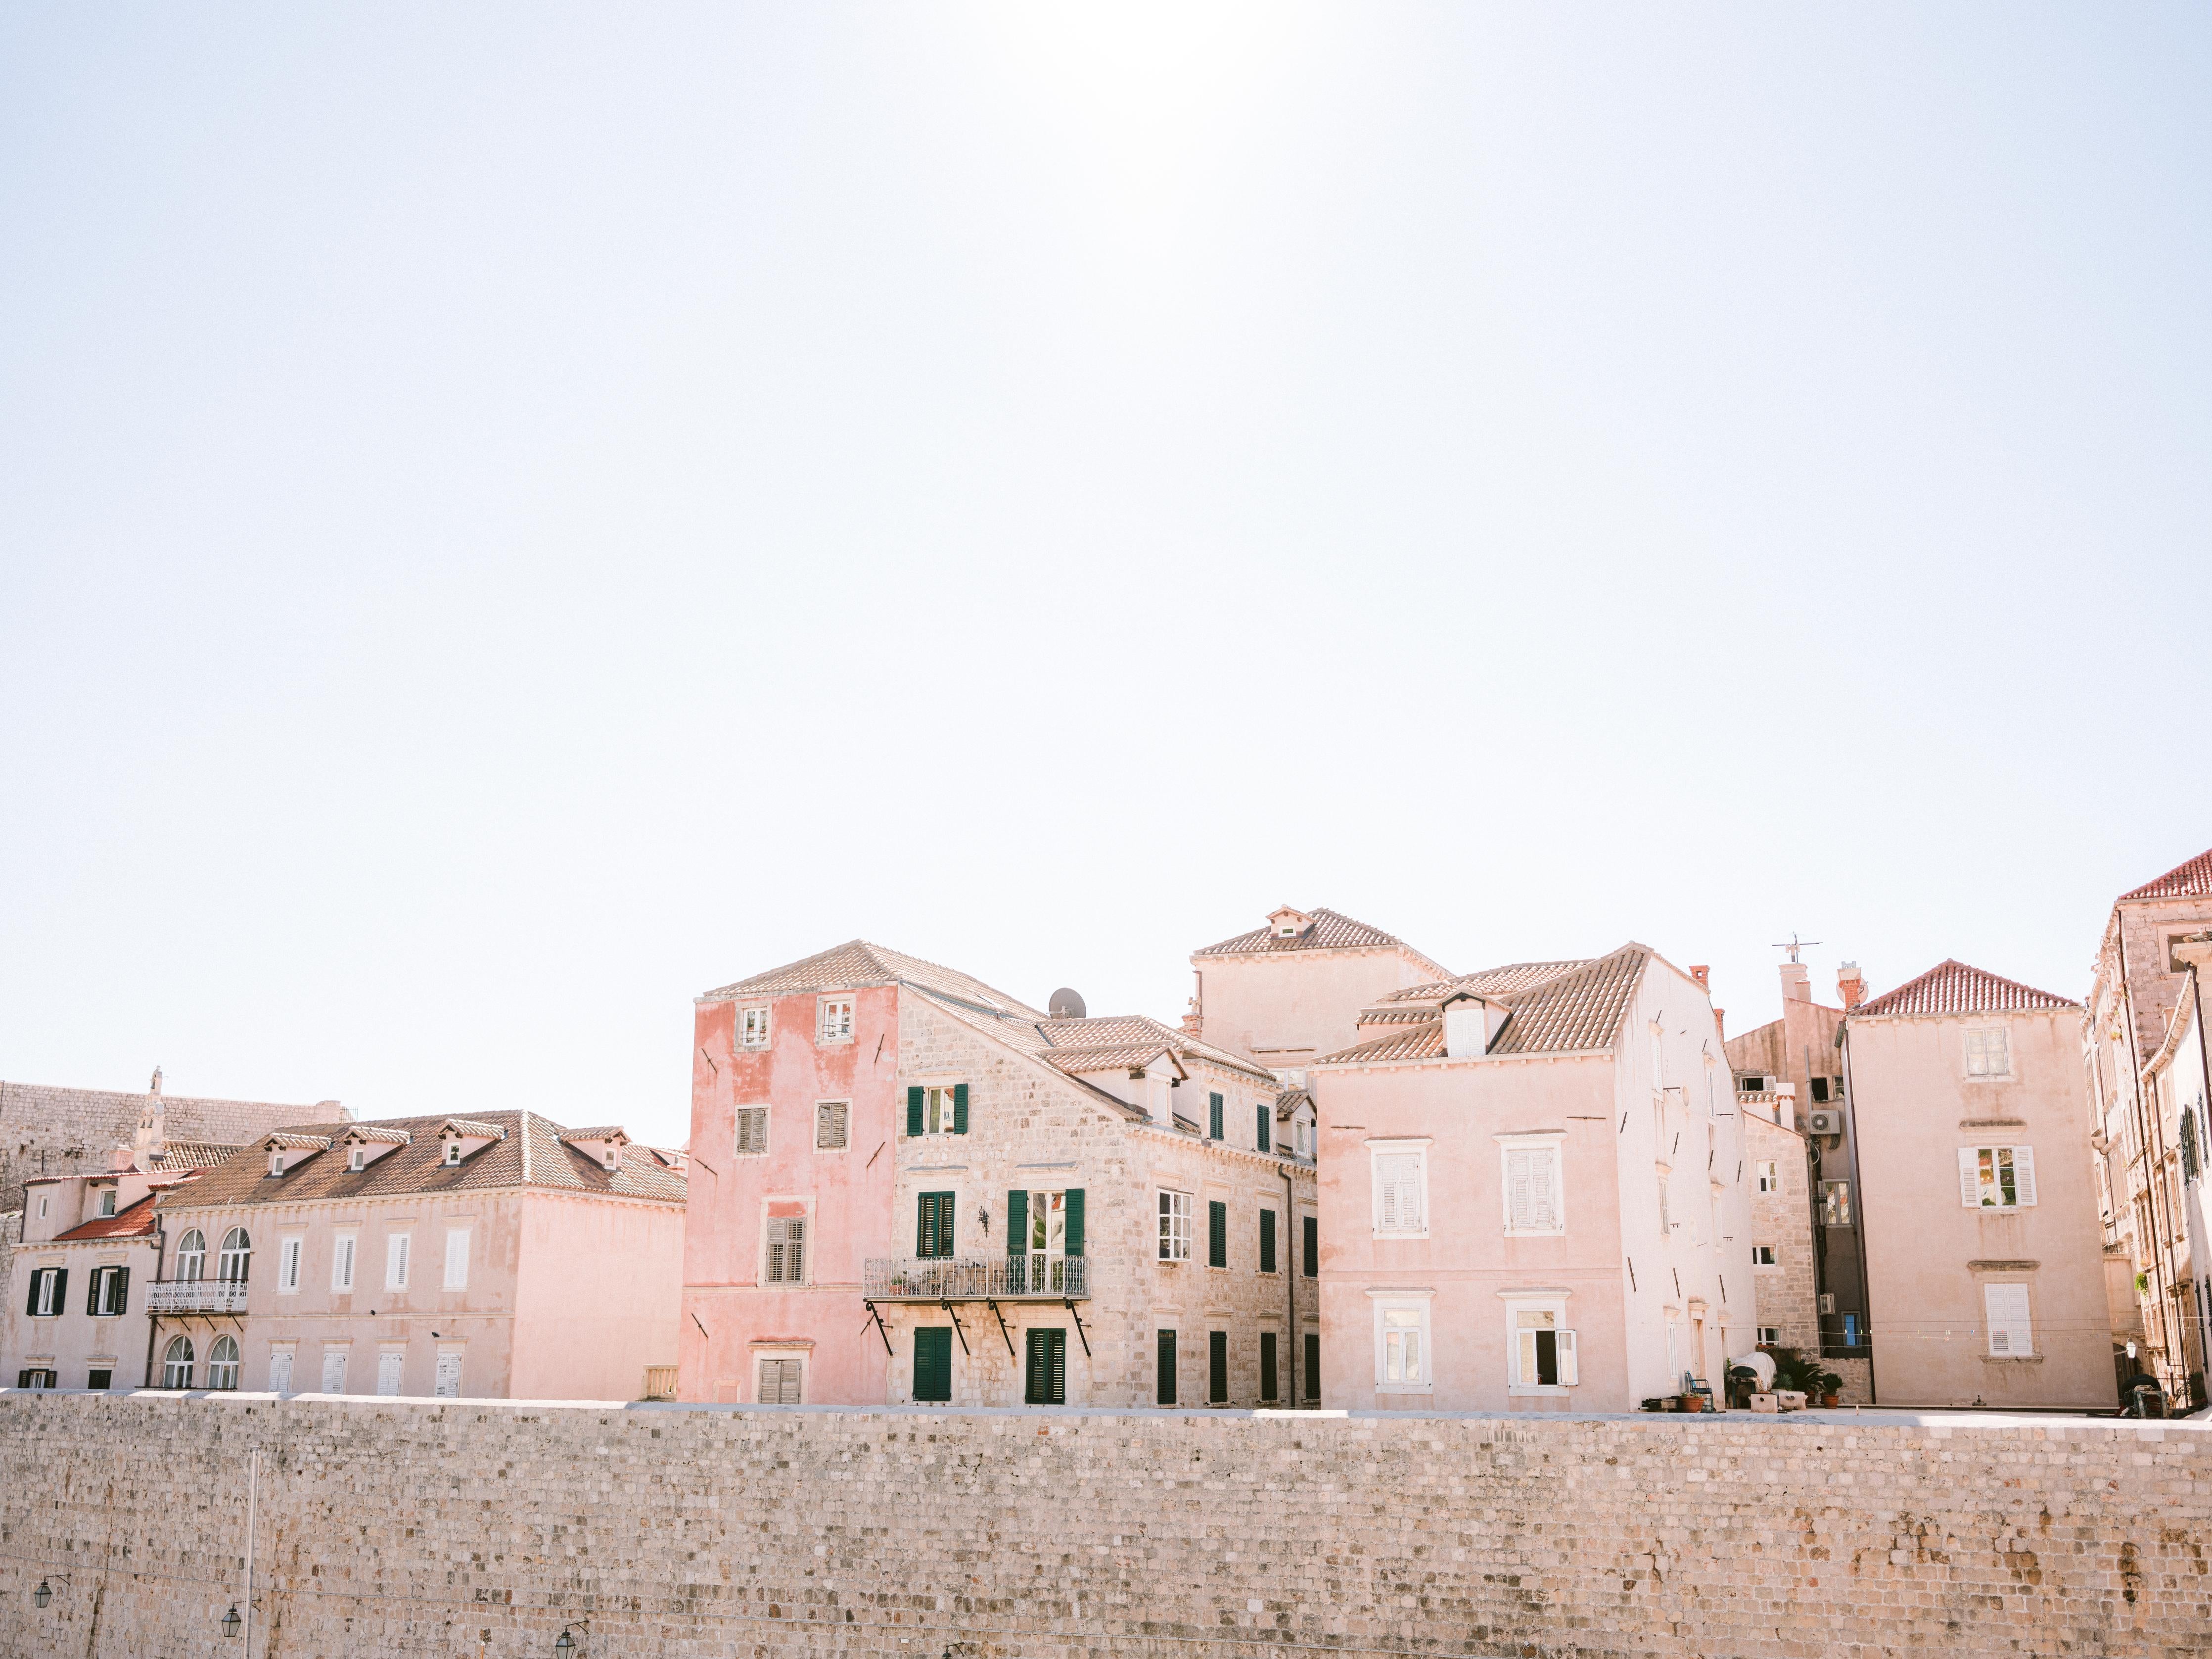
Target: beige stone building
pixel 2175 1089
pixel 1984 1258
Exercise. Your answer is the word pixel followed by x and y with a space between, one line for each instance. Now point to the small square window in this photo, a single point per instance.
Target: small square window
pixel 452 1153
pixel 752 1027
pixel 835 1020
pixel 107 1200
pixel 1175 1226
pixel 1770 1336
pixel 1762 1255
pixel 752 1132
pixel 1770 1178
pixel 1989 1053
pixel 830 1125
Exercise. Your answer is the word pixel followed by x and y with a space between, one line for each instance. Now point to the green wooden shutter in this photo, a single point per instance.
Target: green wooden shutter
pixel 913 1099
pixel 1313 1368
pixel 1217 1234
pixel 1018 1221
pixel 123 1289
pixel 1058 1347
pixel 1267 1364
pixel 31 1306
pixel 1217 1367
pixel 61 1289
pixel 933 1224
pixel 1312 1266
pixel 1213 1116
pixel 932 1363
pixel 1165 1393
pixel 1267 1240
pixel 960 1108
pixel 92 1291
pixel 1073 1244
pixel 1267 1114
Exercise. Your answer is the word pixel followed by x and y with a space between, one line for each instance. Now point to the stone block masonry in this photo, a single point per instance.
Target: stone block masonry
pixel 472 1528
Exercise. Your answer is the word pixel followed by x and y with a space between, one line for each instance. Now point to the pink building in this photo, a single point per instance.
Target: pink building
pixel 1533 1192
pixel 1290 991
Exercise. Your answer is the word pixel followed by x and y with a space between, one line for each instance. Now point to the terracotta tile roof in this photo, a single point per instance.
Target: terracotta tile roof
pixel 192 1154
pixel 1513 976
pixel 2190 881
pixel 1571 1012
pixel 1424 1042
pixel 134 1221
pixel 605 1131
pixel 473 1128
pixel 1287 1103
pixel 1126 1056
pixel 382 1133
pixel 527 1152
pixel 293 1137
pixel 1953 987
pixel 856 963
pixel 1327 930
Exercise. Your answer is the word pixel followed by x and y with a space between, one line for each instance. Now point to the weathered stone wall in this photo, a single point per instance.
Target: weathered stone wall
pixel 481 1529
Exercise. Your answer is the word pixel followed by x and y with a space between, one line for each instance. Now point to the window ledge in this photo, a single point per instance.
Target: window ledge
pixel 1518 1388
pixel 1401 1232
pixel 1405 1387
pixel 2012 1359
pixel 1536 1232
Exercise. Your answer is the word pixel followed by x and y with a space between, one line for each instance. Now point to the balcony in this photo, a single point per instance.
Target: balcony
pixel 993 1279
pixel 196 1295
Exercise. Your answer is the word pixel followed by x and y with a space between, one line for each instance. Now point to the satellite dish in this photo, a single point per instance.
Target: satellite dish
pixel 1066 1005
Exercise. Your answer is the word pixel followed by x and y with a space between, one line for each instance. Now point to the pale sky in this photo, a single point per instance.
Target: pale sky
pixel 511 518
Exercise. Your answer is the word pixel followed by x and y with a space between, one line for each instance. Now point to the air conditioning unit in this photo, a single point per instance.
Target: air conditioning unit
pixel 1827 1302
pixel 1827 1122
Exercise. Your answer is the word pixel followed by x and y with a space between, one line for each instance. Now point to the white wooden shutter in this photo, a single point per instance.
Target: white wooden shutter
pixel 395 1261
pixel 1569 1374
pixel 1398 1174
pixel 1543 1187
pixel 1518 1182
pixel 334 1369
pixel 2023 1173
pixel 449 1375
pixel 1970 1177
pixel 457 1258
pixel 1526 1350
pixel 280 1372
pixel 2010 1330
pixel 388 1366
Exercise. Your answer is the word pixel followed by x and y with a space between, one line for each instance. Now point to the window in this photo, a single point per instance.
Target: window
pixel 38 1377
pixel 831 1120
pixel 99 1376
pixel 107 1200
pixel 396 1248
pixel 752 1027
pixel 457 1258
pixel 334 1370
pixel 1165 1392
pixel 287 1267
pixel 939 1110
pixel 223 1363
pixel 1213 1111
pixel 1770 1179
pixel 280 1370
pixel 1835 1204
pixel 783 1383
pixel 42 1206
pixel 1753 1082
pixel 1047 1228
pixel 933 1230
pixel 236 1256
pixel 452 1154
pixel 275 1159
pixel 1532 1186
pixel 177 1363
pixel 1265 1137
pixel 1217 1234
pixel 834 1019
pixel 1401 1343
pixel 1543 1354
pixel 391 1366
pixel 1217 1368
pixel 752 1132
pixel 1997 1177
pixel 341 1263
pixel 354 1159
pixel 2011 1335
pixel 786 1251
pixel 1310 1266
pixel 1821 1096
pixel 1267 1377
pixel 1267 1240
pixel 1175 1226
pixel 1045 1379
pixel 1989 1053
pixel 110 1292
pixel 1770 1336
pixel 191 1254
pixel 1401 1176
pixel 932 1363
pixel 49 1290
pixel 448 1385
pixel 1313 1368
pixel 1762 1255
pixel 1666 1207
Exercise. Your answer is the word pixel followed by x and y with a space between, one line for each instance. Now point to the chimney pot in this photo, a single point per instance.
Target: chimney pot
pixel 1851 984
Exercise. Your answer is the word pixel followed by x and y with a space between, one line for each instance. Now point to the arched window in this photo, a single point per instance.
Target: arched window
pixel 223 1363
pixel 177 1365
pixel 230 1266
pixel 191 1262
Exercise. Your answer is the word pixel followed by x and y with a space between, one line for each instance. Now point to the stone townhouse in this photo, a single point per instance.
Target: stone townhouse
pixel 2138 983
pixel 1979 1209
pixel 493 1256
pixel 2175 1085
pixel 1534 1193
pixel 913 1186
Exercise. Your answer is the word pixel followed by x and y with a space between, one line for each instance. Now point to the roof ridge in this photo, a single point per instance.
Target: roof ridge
pixel 2194 880
pixel 1914 996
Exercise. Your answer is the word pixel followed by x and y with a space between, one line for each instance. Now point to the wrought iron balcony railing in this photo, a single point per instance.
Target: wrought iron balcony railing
pixel 989 1278
pixel 196 1295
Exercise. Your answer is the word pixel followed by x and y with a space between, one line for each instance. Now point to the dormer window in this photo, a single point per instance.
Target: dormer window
pixel 107 1200
pixel 356 1161
pixel 452 1154
pixel 275 1159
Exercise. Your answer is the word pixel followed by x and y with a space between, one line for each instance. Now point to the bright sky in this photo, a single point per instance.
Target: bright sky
pixel 511 518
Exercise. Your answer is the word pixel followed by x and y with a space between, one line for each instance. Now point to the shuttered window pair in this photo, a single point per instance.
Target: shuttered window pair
pixel 1997 1177
pixel 937 1110
pixel 1046 1380
pixel 49 1292
pixel 1267 1240
pixel 932 1365
pixel 1217 1234
pixel 1398 1192
pixel 752 1132
pixel 1532 1189
pixel 110 1292
pixel 831 1125
pixel 786 1251
pixel 1217 1368
pixel 932 1237
pixel 780 1382
pixel 2011 1334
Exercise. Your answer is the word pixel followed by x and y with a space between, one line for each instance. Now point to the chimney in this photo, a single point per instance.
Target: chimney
pixel 121 1159
pixel 1797 983
pixel 1851 984
pixel 1702 973
pixel 155 1086
pixel 1194 1022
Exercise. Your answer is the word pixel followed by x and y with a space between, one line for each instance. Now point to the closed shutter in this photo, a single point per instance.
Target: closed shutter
pixel 448 1385
pixel 829 1126
pixel 932 1363
pixel 1970 1177
pixel 752 1131
pixel 914 1103
pixel 787 1252
pixel 1398 1176
pixel 1267 1240
pixel 92 1287
pixel 1217 1234
pixel 1217 1367
pixel 960 1108
pixel 1267 1365
pixel 1046 1382
pixel 1213 1116
pixel 2023 1174
pixel 1165 1393
pixel 1018 1221
pixel 1072 1240
pixel 1266 1114
pixel 1313 1368
pixel 1312 1266
pixel 280 1373
pixel 2010 1332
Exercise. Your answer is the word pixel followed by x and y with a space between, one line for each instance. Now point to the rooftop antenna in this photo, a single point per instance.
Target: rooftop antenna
pixel 1793 944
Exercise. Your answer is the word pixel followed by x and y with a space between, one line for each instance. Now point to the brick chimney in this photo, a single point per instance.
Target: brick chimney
pixel 1851 984
pixel 1702 973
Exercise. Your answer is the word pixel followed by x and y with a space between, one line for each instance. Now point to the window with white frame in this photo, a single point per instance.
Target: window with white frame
pixel 1175 1226
pixel 48 1292
pixel 222 1363
pixel 341 1262
pixel 1401 1345
pixel 1770 1177
pixel 1989 1053
pixel 1997 1177
pixel 452 1154
pixel 2011 1332
pixel 391 1368
pixel 1541 1350
pixel 1770 1336
pixel 1762 1255
pixel 448 1385
pixel 396 1248
pixel 752 1027
pixel 457 1258
pixel 280 1370
pixel 752 1132
pixel 355 1159
pixel 107 1200
pixel 334 1370
pixel 191 1254
pixel 288 1265
pixel 786 1251
pixel 1534 1201
pixel 42 1206
pixel 834 1019
pixel 832 1125
pixel 234 1258
pixel 177 1363
pixel 1399 1172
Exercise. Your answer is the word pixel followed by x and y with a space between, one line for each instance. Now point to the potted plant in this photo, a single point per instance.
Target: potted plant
pixel 1830 1386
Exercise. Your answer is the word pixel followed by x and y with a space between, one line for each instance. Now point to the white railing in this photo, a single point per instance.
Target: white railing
pixel 196 1295
pixel 989 1278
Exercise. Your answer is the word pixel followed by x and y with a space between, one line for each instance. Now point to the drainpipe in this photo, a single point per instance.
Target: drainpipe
pixel 1290 1260
pixel 161 1246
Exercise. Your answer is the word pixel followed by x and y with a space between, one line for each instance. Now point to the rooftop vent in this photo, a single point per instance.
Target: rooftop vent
pixel 1066 1005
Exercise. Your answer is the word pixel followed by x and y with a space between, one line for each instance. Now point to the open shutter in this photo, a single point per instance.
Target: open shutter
pixel 30 1308
pixel 123 1289
pixel 1970 1178
pixel 1058 1366
pixel 960 1108
pixel 1018 1221
pixel 92 1291
pixel 914 1098
pixel 2023 1174
pixel 1072 1240
pixel 61 1290
pixel 1569 1376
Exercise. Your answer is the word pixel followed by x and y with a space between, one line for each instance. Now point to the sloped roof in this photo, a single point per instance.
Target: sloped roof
pixel 133 1221
pixel 2192 879
pixel 1954 987
pixel 192 1154
pixel 1572 1012
pixel 856 963
pixel 530 1152
pixel 1117 1058
pixel 1328 929
pixel 1416 1003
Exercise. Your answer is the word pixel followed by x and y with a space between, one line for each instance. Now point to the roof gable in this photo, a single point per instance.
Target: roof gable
pixel 1325 929
pixel 2192 879
pixel 1954 987
pixel 856 963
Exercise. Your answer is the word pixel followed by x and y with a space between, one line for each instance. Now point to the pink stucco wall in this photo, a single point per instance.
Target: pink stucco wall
pixel 1286 1008
pixel 596 1295
pixel 730 1318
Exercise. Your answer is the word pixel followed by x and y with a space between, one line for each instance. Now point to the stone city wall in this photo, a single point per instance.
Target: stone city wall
pixel 483 1529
